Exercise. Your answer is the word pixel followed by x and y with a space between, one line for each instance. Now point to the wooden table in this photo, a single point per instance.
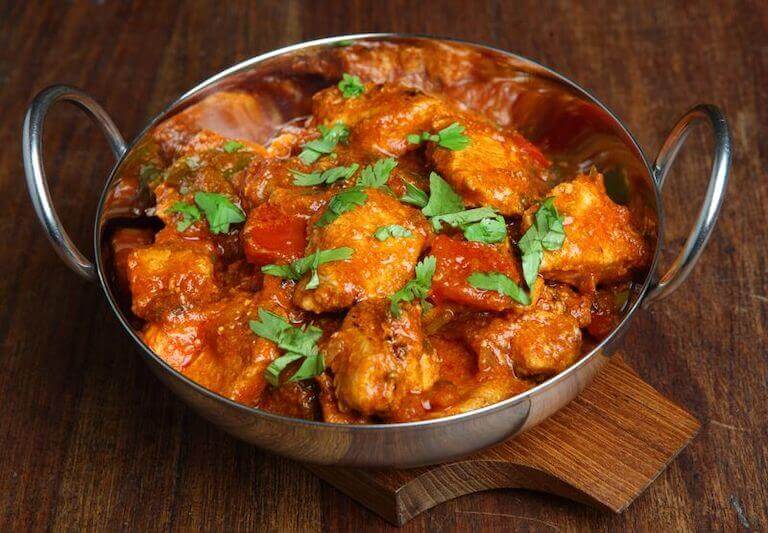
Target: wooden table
pixel 90 439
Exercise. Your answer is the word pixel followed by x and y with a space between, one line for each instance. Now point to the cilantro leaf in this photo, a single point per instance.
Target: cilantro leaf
pixel 377 175
pixel 219 211
pixel 329 176
pixel 546 233
pixel 460 219
pixel 394 230
pixel 451 137
pixel 341 203
pixel 298 268
pixel 414 196
pixel 488 230
pixel 442 198
pixel 232 146
pixel 351 86
pixel 325 144
pixel 296 342
pixel 417 288
pixel 189 212
pixel 504 285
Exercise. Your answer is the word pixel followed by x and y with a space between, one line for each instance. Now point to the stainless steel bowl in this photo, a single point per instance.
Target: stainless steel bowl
pixel 549 108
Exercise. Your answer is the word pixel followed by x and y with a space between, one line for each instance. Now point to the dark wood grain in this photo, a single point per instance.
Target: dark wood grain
pixel 90 439
pixel 604 448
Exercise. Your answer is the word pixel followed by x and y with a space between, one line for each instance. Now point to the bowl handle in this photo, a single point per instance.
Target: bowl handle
pixel 718 179
pixel 37 183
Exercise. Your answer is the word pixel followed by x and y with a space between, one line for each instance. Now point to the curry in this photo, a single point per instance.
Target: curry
pixel 394 256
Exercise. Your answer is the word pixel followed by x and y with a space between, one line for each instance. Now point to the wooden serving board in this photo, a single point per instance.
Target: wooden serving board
pixel 603 449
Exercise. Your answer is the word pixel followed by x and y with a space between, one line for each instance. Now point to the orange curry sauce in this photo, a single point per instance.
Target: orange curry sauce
pixel 449 345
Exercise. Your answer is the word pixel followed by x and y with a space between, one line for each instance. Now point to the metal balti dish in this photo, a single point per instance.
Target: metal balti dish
pixel 548 108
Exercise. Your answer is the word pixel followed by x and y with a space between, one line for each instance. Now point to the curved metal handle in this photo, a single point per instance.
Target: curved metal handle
pixel 37 183
pixel 718 179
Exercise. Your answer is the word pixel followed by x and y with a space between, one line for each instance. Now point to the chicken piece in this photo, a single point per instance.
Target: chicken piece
pixel 230 114
pixel 457 260
pixel 215 346
pixel 377 359
pixel 376 268
pixel 601 245
pixel 461 386
pixel 495 170
pixel 168 279
pixel 541 341
pixel 331 410
pixel 381 118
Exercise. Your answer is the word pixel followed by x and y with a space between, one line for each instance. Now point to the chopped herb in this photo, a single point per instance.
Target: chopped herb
pixel 414 196
pixel 189 213
pixel 343 43
pixel 232 146
pixel 451 137
pixel 377 175
pixel 326 144
pixel 393 230
pixel 298 268
pixel 546 233
pixel 193 162
pixel 351 86
pixel 504 285
pixel 442 198
pixel 219 210
pixel 461 219
pixel 341 203
pixel 488 230
pixel 296 342
pixel 417 288
pixel 329 176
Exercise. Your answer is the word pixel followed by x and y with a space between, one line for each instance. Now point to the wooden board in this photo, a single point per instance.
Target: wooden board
pixel 603 449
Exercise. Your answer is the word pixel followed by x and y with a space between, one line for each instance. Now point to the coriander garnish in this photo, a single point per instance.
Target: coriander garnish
pixel 326 144
pixel 218 209
pixel 414 196
pixel 341 203
pixel 351 86
pixel 232 146
pixel 451 137
pixel 417 288
pixel 393 230
pixel 481 224
pixel 189 213
pixel 546 233
pixel 296 342
pixel 377 174
pixel 298 268
pixel 329 176
pixel 504 285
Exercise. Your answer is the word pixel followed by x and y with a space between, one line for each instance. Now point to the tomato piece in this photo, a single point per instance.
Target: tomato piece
pixel 457 260
pixel 270 236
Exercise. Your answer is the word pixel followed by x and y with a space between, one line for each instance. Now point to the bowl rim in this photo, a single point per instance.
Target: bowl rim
pixel 377 427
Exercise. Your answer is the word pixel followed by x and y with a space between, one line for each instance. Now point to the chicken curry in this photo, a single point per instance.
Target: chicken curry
pixel 394 256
